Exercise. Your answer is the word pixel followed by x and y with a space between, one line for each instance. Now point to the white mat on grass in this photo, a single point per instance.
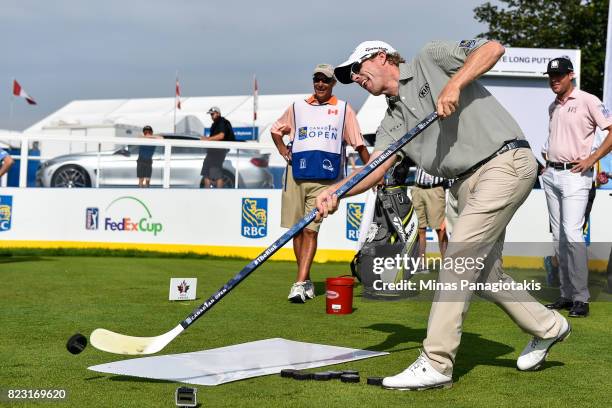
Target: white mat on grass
pixel 237 362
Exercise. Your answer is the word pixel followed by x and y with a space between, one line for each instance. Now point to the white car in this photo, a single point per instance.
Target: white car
pixel 118 168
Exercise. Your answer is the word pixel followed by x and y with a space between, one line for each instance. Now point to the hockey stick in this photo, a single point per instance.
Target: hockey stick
pixel 112 342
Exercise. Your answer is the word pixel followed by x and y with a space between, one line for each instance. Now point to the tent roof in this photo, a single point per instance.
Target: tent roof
pixel 159 112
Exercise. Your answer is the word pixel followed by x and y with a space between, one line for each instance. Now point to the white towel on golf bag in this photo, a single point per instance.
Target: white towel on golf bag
pixel 367 217
pixel 237 362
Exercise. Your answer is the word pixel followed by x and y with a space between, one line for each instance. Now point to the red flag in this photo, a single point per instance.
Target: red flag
pixel 178 94
pixel 255 96
pixel 18 91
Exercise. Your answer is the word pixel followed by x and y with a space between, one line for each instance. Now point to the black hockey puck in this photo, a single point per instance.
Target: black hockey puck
pixel 375 380
pixel 323 376
pixel 288 373
pixel 335 374
pixel 301 375
pixel 76 343
pixel 349 378
pixel 352 372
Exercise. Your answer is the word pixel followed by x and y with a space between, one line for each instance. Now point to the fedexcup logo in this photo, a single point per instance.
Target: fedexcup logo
pixel 6 211
pixel 127 214
pixel 254 217
pixel 354 213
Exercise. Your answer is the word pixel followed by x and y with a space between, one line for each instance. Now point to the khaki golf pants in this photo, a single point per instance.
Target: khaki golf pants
pixel 487 200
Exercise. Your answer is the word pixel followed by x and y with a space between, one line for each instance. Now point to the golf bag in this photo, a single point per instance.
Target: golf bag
pixel 393 231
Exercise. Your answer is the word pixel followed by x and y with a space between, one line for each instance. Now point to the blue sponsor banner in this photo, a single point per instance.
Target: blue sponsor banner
pixel 6 212
pixel 254 217
pixel 354 214
pixel 241 133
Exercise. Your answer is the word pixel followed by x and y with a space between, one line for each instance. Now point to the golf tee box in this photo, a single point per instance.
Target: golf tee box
pixel 183 288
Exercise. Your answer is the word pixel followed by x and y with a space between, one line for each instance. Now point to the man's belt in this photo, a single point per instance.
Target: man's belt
pixel 510 145
pixel 427 186
pixel 559 165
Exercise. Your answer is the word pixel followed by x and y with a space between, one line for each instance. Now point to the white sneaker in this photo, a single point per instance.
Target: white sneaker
pixel 297 293
pixel 534 354
pixel 309 289
pixel 419 376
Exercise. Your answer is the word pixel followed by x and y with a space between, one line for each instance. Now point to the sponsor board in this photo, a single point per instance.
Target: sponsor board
pixel 6 212
pixel 123 214
pixel 254 213
pixel 354 214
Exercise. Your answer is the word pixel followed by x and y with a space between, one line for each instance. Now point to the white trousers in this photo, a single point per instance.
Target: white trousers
pixel 567 195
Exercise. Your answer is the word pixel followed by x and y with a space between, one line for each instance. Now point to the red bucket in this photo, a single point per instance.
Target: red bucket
pixel 339 294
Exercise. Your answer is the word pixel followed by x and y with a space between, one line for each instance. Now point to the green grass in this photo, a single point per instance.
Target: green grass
pixel 45 299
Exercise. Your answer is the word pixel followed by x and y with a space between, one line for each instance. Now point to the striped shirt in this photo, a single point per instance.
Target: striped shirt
pixel 424 179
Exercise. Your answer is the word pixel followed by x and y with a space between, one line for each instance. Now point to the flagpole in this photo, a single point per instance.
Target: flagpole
pixel 174 120
pixel 255 96
pixel 12 103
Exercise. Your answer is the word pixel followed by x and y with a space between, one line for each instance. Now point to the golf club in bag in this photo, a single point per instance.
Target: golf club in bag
pixel 117 343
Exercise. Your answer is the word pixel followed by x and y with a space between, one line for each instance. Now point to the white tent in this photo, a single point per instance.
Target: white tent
pixel 159 112
pixel 125 117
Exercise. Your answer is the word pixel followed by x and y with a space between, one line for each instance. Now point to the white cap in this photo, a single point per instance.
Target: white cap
pixel 214 109
pixel 361 53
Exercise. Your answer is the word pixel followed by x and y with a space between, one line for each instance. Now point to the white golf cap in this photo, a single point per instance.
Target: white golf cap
pixel 214 109
pixel 361 52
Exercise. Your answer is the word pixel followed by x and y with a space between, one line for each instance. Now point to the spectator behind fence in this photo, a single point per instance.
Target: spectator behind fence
pixel 212 168
pixel 573 116
pixel 144 164
pixel 7 161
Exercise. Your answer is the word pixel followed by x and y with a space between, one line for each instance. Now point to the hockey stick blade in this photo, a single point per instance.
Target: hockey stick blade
pixel 112 342
pixel 116 343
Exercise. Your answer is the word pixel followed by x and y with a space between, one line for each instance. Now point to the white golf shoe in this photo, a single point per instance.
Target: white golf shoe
pixel 419 376
pixel 534 354
pixel 297 293
pixel 309 289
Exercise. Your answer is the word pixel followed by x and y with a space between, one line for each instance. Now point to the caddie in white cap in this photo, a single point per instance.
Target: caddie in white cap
pixel 478 143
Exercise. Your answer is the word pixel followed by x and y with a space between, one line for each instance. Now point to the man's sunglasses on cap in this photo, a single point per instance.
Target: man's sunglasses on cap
pixel 356 66
pixel 322 78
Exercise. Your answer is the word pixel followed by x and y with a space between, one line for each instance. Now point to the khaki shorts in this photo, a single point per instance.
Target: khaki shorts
pixel 299 199
pixel 429 204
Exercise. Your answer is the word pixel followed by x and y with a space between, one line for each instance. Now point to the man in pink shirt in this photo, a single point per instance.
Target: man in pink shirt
pixel 574 116
pixel 315 160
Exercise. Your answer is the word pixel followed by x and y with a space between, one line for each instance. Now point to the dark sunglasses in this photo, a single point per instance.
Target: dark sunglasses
pixel 323 79
pixel 356 66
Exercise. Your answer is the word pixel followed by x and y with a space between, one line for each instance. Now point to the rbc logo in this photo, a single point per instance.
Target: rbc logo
pixel 354 213
pixel 302 133
pixel 6 210
pixel 91 218
pixel 254 217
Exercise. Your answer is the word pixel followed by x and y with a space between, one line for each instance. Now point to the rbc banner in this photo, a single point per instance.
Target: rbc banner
pixel 254 217
pixel 6 212
pixel 354 214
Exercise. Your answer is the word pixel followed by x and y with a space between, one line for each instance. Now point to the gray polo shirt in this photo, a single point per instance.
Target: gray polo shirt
pixel 478 128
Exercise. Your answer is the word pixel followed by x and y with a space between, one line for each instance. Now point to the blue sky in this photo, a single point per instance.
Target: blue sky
pixel 64 50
